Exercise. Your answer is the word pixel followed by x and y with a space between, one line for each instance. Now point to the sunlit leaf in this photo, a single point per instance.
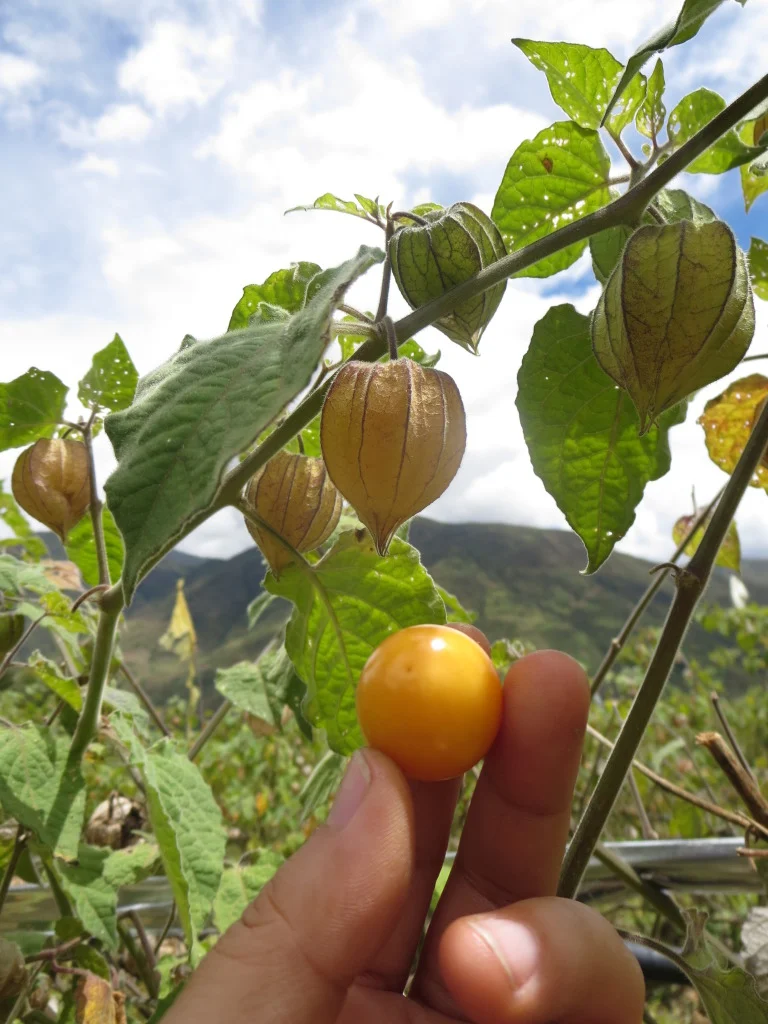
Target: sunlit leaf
pixel 31 406
pixel 286 289
pixel 365 208
pixel 550 181
pixel 239 885
pixel 729 555
pixel 111 381
pixel 652 112
pixel 727 421
pixel 754 176
pixel 758 267
pixel 81 548
pixel 690 115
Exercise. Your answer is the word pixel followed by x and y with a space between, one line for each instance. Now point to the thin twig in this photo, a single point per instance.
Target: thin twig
pixel 624 150
pixel 10 655
pixel 10 868
pixel 649 832
pixel 96 505
pixel 730 735
pixel 760 355
pixel 636 614
pixel 210 728
pixel 742 781
pixel 145 699
pixel 650 892
pixel 166 928
pixel 88 593
pixel 55 951
pixel 151 978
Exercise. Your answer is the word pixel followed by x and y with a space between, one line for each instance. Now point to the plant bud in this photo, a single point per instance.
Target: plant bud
pixel 11 631
pixel 452 246
pixel 393 436
pixel 676 314
pixel 294 495
pixel 51 482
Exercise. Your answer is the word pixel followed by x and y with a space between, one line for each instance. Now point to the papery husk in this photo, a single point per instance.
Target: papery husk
pixel 393 436
pixel 295 496
pixel 51 482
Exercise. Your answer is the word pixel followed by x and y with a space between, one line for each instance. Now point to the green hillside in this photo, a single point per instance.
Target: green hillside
pixel 522 583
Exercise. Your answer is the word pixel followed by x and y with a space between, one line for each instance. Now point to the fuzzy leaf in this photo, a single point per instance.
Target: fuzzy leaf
pixel 727 421
pixel 692 16
pixel 111 381
pixel 690 115
pixel 582 433
pixel 31 406
pixel 240 885
pixel 364 208
pixel 48 672
pixel 321 783
pixel 199 410
pixel 557 177
pixel 81 548
pixel 40 790
pixel 345 606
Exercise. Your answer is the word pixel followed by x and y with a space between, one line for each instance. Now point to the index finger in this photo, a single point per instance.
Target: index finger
pixel 518 821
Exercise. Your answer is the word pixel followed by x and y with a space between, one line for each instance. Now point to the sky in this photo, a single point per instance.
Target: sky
pixel 150 147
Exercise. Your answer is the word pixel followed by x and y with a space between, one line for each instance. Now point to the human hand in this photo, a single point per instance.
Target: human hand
pixel 332 938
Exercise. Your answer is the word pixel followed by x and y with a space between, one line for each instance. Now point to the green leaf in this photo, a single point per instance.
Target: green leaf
pixel 111 381
pixel 674 204
pixel 17 576
pixel 188 829
pixel 39 788
pixel 48 672
pixel 728 994
pixel 93 883
pixel 286 289
pixel 257 607
pixel 691 114
pixel 127 704
pixel 582 433
pixel 346 605
pixel 758 267
pixel 692 16
pixel 31 406
pixel 552 180
pixel 199 410
pixel 605 248
pixel 754 177
pixel 581 79
pixel 364 208
pixel 240 885
pixel 729 555
pixel 652 112
pixel 625 111
pixel 412 350
pixel 23 534
pixel 321 783
pixel 454 609
pixel 259 687
pixel 165 1003
pixel 81 548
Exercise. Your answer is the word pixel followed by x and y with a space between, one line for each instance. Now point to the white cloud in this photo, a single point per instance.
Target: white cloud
pixel 178 65
pixel 18 73
pixel 93 164
pixel 121 122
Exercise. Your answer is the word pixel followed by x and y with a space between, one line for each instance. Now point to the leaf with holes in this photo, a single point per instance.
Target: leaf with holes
pixel 365 208
pixel 111 381
pixel 582 433
pixel 727 421
pixel 754 176
pixel 31 406
pixel 690 115
pixel 558 177
pixel 201 409
pixel 286 289
pixel 346 605
pixel 39 788
pixel 729 555
pixel 758 267
pixel 692 16
pixel 652 112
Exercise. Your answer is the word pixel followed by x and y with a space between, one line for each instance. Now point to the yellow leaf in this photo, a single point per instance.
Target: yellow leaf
pixel 95 1002
pixel 180 637
pixel 727 421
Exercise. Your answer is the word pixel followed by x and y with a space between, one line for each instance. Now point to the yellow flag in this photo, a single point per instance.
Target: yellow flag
pixel 180 637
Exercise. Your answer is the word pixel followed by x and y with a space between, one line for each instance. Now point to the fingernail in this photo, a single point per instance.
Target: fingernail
pixel 352 791
pixel 514 946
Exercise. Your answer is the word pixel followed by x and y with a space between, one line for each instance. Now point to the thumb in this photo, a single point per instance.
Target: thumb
pixel 321 919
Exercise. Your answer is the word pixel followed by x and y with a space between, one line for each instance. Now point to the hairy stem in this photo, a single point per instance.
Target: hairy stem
pixel 96 506
pixel 635 615
pixel 88 721
pixel 691 583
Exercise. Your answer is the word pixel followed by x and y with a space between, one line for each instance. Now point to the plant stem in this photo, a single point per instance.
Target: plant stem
pixel 213 723
pixel 742 781
pixel 96 506
pixel 145 699
pixel 151 979
pixel 88 721
pixel 691 583
pixel 730 735
pixel 618 642
pixel 761 355
pixel 627 209
pixel 650 892
pixel 18 849
pixel 20 643
pixel 623 149
pixel 386 272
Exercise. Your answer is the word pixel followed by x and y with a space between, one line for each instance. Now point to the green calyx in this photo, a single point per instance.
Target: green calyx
pixel 676 314
pixel 450 247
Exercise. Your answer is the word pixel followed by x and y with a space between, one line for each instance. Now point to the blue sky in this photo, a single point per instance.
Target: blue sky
pixel 150 148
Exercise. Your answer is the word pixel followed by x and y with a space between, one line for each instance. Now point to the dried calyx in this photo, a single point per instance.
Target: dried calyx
pixel 676 314
pixel 51 482
pixel 449 247
pixel 292 494
pixel 393 436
